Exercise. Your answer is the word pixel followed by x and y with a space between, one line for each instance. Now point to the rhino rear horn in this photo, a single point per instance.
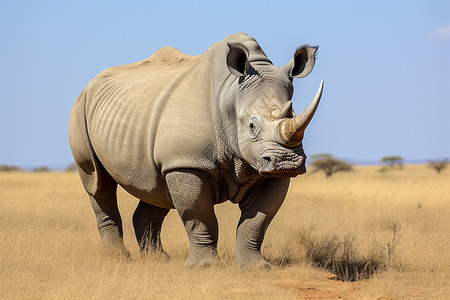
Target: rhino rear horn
pixel 283 112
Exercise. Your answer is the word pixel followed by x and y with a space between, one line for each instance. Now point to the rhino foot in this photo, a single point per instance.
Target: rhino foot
pixel 252 262
pixel 202 258
pixel 202 263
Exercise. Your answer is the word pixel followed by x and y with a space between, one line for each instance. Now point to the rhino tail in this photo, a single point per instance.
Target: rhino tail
pixel 95 179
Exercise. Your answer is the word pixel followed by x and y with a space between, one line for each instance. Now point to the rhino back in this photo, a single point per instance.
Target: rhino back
pixel 147 118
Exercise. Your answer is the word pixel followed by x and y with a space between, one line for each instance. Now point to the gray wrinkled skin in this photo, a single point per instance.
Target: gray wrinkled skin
pixel 188 132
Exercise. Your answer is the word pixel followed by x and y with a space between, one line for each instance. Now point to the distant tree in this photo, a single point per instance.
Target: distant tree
pixel 438 165
pixel 71 168
pixel 41 169
pixel 328 164
pixel 7 168
pixel 393 161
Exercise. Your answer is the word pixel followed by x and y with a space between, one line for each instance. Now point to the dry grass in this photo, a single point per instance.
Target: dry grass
pixel 392 228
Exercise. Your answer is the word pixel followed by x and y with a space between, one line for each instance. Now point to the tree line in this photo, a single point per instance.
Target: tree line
pixel 330 165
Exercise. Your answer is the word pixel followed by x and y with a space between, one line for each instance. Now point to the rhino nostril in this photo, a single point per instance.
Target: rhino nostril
pixel 267 160
pixel 266 163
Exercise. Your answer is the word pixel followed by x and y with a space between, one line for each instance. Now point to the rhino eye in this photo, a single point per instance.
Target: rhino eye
pixel 254 129
pixel 252 125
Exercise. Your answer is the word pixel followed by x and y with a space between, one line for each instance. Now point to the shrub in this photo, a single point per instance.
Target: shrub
pixel 41 169
pixel 7 168
pixel 383 169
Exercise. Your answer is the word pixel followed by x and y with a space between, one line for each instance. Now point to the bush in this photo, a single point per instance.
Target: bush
pixel 41 169
pixel 7 168
pixel 383 169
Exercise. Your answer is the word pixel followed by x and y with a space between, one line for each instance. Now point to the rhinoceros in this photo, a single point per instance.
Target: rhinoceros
pixel 188 132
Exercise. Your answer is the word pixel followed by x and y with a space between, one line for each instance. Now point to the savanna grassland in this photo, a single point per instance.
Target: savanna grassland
pixel 357 235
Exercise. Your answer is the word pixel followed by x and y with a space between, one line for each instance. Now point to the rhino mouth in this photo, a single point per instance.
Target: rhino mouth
pixel 283 164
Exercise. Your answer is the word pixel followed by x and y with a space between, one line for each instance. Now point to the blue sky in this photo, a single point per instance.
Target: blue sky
pixel 386 66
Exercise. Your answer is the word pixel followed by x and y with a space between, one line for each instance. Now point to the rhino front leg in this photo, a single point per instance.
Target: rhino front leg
pixel 192 196
pixel 255 218
pixel 147 222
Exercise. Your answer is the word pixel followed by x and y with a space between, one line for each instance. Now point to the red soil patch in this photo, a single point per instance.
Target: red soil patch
pixel 313 293
pixel 323 289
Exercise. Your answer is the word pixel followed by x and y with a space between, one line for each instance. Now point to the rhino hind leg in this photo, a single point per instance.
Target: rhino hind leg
pixel 100 186
pixel 109 223
pixel 104 203
pixel 192 196
pixel 147 222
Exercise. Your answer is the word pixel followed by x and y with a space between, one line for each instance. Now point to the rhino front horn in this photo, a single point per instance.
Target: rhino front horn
pixel 290 130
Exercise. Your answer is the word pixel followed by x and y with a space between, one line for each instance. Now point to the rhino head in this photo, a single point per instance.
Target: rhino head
pixel 269 133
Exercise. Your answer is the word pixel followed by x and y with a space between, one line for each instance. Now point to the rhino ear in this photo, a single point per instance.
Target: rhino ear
pixel 302 63
pixel 237 60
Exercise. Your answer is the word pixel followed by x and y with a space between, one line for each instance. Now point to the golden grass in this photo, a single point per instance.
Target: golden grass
pixel 50 247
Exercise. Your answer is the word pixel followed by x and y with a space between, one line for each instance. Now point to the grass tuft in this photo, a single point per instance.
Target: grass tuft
pixel 343 255
pixel 340 256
